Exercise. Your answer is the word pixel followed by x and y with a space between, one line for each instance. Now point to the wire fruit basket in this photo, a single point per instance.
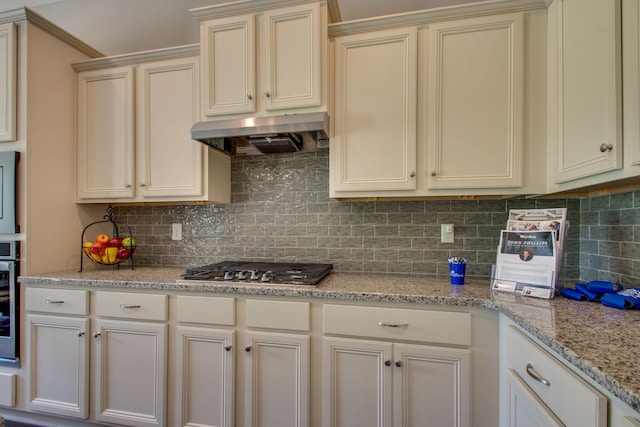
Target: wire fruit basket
pixel 107 247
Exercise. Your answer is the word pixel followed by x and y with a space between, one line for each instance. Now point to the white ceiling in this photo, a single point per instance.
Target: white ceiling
pixel 122 26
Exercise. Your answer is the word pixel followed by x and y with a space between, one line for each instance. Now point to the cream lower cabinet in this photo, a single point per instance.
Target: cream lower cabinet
pixel 116 365
pixel 276 364
pixel 133 134
pixel 205 362
pixel 276 379
pixel 537 390
pixel 395 383
pixel 58 339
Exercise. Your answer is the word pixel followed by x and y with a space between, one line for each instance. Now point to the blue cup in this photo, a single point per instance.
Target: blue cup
pixel 456 271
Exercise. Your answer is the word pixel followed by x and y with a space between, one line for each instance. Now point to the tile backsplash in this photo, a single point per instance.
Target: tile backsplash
pixel 281 210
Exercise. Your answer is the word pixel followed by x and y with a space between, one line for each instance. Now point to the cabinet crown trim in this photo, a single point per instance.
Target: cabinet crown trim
pixel 428 16
pixel 243 6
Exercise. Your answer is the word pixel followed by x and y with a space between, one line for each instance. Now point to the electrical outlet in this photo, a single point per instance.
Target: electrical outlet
pixel 176 231
pixel 446 233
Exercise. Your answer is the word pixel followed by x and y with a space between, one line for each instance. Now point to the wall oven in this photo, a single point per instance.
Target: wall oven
pixel 9 303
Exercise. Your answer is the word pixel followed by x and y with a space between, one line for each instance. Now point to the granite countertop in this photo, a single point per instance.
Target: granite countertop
pixel 599 341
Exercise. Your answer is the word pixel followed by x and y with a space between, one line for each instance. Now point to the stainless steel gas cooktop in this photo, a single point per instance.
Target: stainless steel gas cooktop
pixel 280 273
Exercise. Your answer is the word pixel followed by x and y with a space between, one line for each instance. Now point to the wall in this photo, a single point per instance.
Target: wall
pixel 280 210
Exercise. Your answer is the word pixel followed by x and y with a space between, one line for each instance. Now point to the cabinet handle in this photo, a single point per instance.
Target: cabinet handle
pixel 399 363
pixel 96 334
pixel 227 347
pixel 247 348
pixel 124 306
pixel 533 374
pixel 433 173
pixel 249 96
pixel 267 94
pixel 142 184
pixel 387 363
pixel 127 186
pixel 606 147
pixel 412 174
pixel 393 325
pixel 80 333
pixel 50 301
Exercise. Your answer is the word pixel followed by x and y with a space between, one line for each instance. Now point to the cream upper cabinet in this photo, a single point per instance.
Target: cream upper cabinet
pixel 228 49
pixel 631 75
pixel 475 86
pixel 106 134
pixel 278 67
pixel 584 89
pixel 8 67
pixel 373 147
pixel 133 136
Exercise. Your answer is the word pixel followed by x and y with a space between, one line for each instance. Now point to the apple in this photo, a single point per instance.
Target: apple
pixel 115 241
pixel 102 238
pixel 123 253
pixel 129 242
pixel 97 248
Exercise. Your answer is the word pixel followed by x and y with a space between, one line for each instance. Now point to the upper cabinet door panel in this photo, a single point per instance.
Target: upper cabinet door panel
pixel 228 70
pixel 631 76
pixel 169 162
pixel 106 134
pixel 374 143
pixel 475 103
pixel 291 38
pixel 585 87
pixel 8 82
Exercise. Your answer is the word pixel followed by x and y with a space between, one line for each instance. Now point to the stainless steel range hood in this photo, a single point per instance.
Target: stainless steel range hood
pixel 265 135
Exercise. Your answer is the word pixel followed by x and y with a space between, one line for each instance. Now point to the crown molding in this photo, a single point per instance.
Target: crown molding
pixel 26 14
pixel 428 16
pixel 138 57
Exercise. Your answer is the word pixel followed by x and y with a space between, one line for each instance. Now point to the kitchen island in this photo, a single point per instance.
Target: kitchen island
pixel 598 342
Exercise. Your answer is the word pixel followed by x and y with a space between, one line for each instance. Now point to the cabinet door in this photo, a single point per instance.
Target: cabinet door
pixel 584 122
pixel 106 134
pixel 228 53
pixel 169 162
pixel 130 372
pixel 525 408
pixel 475 102
pixel 204 367
pixel 356 384
pixel 58 363
pixel 431 386
pixel 291 43
pixel 631 75
pixel 374 143
pixel 8 67
pixel 277 380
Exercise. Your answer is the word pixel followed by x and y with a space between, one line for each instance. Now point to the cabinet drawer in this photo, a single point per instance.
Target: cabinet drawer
pixel 441 327
pixel 60 301
pixel 293 316
pixel 564 392
pixel 131 305
pixel 208 310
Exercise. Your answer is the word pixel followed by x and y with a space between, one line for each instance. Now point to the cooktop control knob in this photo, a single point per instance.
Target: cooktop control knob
pixel 242 275
pixel 266 277
pixel 254 275
pixel 228 275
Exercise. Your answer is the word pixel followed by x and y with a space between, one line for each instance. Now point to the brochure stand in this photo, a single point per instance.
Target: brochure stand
pixel 530 251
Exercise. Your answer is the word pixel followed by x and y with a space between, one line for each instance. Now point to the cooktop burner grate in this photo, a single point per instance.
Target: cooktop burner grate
pixel 261 272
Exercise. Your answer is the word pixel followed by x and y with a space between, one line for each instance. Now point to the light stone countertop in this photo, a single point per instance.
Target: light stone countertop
pixel 601 342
